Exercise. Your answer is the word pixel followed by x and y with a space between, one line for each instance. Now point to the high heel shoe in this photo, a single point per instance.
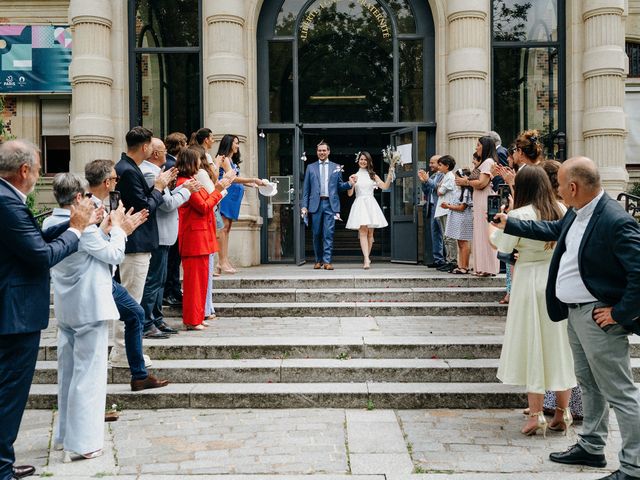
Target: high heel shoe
pixel 565 423
pixel 367 264
pixel 217 271
pixel 540 424
pixel 71 456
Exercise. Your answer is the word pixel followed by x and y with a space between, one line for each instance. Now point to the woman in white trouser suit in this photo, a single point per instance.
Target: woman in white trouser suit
pixel 83 303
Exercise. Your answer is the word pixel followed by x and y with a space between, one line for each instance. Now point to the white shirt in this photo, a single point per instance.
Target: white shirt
pixel 324 175
pixel 447 192
pixel 569 286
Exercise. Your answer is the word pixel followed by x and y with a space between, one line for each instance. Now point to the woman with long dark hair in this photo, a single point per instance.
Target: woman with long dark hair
pixel 366 214
pixel 229 153
pixel 485 261
pixel 535 351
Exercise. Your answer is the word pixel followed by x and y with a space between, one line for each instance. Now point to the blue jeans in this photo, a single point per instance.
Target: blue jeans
pixel 132 314
pixel 437 244
pixel 154 287
pixel 323 223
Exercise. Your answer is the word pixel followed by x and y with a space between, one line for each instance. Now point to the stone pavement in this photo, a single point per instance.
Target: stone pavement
pixel 311 444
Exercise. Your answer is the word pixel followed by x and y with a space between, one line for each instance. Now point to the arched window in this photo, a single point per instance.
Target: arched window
pixel 528 71
pixel 345 61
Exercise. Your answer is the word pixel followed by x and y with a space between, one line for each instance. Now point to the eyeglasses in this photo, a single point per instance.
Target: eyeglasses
pixel 159 151
pixel 117 179
pixel 88 194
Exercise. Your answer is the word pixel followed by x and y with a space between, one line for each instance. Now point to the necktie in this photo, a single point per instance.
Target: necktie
pixel 323 178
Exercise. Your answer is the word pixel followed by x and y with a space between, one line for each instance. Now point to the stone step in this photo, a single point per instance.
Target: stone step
pixel 303 371
pixel 184 347
pixel 311 295
pixel 324 279
pixel 351 309
pixel 306 395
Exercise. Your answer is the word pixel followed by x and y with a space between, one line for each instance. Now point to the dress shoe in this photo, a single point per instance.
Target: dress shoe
pixel 576 455
pixel 22 471
pixel 163 327
pixel 435 264
pixel 154 333
pixel 446 267
pixel 146 383
pixel 317 266
pixel 618 475
pixel 172 301
pixel 328 266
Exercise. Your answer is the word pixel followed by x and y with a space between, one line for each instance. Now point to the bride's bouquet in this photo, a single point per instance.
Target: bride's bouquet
pixel 391 156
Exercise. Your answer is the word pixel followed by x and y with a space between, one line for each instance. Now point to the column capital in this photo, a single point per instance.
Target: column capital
pixel 90 11
pixel 592 8
pixel 474 8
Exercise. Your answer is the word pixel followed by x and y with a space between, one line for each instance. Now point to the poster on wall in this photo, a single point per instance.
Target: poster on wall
pixel 35 59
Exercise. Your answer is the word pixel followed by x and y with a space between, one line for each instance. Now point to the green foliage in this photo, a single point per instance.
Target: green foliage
pixel 4 133
pixel 634 189
pixel 370 405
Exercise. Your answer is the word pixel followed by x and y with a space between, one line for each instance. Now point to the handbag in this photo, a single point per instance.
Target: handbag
pixel 507 258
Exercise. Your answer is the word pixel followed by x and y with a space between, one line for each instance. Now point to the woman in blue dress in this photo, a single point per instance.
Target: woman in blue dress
pixel 229 158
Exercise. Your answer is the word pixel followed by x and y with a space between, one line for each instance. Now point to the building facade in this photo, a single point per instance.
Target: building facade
pixel 423 76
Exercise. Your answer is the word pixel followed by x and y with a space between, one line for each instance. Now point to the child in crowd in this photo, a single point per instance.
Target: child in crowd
pixel 447 194
pixel 460 224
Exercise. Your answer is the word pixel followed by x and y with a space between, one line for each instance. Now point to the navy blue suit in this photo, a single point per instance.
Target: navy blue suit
pixel 608 259
pixel 26 255
pixel 323 210
pixel 136 193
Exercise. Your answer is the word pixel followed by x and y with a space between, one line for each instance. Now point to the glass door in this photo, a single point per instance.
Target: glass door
pixel 405 197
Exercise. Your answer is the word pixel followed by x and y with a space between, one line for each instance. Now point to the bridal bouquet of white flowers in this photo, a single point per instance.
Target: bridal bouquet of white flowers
pixel 391 156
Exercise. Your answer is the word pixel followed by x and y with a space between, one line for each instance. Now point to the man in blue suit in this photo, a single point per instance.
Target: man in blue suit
pixel 26 255
pixel 594 280
pixel 322 183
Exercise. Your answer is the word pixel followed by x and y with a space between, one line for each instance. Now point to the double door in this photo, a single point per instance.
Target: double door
pixel 284 156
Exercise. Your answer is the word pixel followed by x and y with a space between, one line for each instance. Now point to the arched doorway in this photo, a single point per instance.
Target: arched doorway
pixel 358 74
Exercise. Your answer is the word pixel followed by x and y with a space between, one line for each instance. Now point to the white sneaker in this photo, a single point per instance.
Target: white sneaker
pixel 147 361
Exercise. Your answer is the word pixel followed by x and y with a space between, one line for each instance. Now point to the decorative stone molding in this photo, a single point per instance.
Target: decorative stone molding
pixel 225 18
pixel 467 73
pixel 603 69
pixel 91 73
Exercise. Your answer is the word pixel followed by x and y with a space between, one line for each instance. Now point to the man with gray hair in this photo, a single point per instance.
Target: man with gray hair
pixel 594 280
pixel 26 255
pixel 503 153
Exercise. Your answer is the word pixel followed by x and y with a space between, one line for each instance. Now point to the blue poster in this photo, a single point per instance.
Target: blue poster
pixel 35 59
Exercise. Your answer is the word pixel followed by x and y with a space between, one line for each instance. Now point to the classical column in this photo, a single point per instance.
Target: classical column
pixel 226 111
pixel 91 74
pixel 603 67
pixel 468 75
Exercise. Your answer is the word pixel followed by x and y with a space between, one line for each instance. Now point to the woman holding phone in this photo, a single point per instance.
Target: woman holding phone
pixel 485 261
pixel 535 351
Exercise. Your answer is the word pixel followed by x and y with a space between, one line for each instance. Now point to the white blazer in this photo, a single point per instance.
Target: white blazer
pixel 82 288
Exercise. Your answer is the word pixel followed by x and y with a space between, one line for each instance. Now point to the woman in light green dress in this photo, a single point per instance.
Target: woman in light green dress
pixel 535 352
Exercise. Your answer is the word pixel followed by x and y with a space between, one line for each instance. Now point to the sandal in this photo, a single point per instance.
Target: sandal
pixel 482 274
pixel 460 271
pixel 505 300
pixel 194 327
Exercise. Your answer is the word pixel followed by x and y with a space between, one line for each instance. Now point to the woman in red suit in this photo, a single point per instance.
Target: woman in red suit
pixel 196 239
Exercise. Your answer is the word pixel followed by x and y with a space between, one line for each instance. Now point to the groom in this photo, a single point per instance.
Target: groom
pixel 322 182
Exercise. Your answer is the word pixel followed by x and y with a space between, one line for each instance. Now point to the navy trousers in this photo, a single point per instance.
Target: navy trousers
pixel 132 314
pixel 323 224
pixel 172 286
pixel 18 355
pixel 154 287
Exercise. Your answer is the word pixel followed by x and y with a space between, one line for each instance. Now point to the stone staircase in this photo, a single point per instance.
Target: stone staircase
pixel 290 337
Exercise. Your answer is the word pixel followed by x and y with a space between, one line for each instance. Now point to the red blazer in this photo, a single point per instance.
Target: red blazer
pixel 197 224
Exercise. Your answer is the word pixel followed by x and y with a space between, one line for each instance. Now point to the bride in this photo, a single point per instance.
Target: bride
pixel 365 212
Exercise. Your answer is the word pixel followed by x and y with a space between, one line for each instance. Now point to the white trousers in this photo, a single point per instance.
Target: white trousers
pixel 82 386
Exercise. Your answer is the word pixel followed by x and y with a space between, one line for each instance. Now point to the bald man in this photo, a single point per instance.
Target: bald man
pixel 594 281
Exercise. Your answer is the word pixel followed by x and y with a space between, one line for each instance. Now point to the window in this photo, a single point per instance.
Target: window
pixel 633 52
pixel 56 147
pixel 345 61
pixel 165 65
pixel 528 70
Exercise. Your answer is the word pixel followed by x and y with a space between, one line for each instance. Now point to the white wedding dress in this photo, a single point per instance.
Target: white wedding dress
pixel 365 210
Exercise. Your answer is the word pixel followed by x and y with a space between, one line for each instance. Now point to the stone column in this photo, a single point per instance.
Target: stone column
pixel 603 67
pixel 225 99
pixel 468 75
pixel 91 74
